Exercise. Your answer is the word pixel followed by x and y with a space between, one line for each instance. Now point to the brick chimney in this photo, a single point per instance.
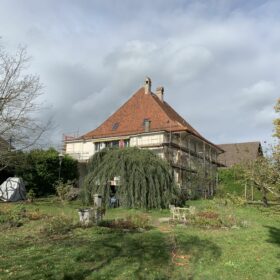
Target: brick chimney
pixel 148 85
pixel 159 93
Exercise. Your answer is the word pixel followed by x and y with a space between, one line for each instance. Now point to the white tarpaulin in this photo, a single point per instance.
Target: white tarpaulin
pixel 12 189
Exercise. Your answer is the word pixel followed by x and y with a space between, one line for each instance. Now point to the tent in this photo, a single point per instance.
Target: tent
pixel 12 189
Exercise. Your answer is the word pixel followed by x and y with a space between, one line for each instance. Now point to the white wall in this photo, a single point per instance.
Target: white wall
pixel 82 150
pixel 146 139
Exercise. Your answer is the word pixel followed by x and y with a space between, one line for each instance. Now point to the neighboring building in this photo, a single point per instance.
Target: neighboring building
pixel 147 121
pixel 237 153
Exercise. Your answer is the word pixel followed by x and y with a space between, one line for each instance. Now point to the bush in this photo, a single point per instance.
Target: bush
pixel 11 218
pixel 131 222
pixel 211 219
pixel 30 195
pixel 17 217
pixel 56 226
pixel 40 170
pixel 140 220
pixel 229 182
pixel 66 191
pixel 35 215
pixel 62 189
pixel 234 199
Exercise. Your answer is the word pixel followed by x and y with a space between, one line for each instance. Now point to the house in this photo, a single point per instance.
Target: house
pixel 237 153
pixel 147 121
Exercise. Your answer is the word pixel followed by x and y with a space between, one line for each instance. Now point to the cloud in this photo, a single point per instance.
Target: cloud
pixel 218 60
pixel 258 95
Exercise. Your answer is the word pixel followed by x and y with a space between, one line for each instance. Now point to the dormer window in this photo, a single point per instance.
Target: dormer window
pixel 115 126
pixel 146 124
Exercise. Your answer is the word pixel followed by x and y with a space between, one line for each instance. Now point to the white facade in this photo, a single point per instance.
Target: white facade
pixel 82 150
pixel 187 154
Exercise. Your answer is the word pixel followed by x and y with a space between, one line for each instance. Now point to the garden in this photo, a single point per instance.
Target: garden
pixel 158 230
pixel 221 240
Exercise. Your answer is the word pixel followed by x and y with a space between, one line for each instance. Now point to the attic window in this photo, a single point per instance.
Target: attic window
pixel 115 126
pixel 145 121
pixel 146 124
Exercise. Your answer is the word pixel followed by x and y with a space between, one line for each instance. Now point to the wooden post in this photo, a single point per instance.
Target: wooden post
pixel 189 146
pixel 245 191
pixel 204 171
pixel 252 192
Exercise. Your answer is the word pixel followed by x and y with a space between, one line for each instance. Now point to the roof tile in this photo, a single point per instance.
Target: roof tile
pixel 131 115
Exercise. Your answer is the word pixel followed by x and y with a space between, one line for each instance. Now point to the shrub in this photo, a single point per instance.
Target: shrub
pixel 234 199
pixel 131 222
pixel 35 215
pixel 118 224
pixel 59 225
pixel 208 215
pixel 62 189
pixel 40 170
pixel 211 219
pixel 11 219
pixel 229 182
pixel 66 191
pixel 140 220
pixel 30 195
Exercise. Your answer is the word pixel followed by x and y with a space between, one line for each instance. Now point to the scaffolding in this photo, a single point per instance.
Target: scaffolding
pixel 196 169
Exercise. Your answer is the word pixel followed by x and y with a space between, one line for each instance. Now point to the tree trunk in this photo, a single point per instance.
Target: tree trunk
pixel 264 199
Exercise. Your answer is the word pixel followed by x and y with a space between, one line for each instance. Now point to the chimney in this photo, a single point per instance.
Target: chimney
pixel 148 85
pixel 159 93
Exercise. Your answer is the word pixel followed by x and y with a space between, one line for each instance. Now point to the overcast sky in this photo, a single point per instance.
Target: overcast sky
pixel 219 61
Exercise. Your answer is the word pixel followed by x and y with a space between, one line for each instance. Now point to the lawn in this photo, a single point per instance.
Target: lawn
pixel 248 250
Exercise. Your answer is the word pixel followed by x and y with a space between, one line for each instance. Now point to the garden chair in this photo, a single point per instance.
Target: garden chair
pixel 175 212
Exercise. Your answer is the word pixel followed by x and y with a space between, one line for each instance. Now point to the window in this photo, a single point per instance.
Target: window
pixel 146 124
pixel 97 147
pixel 145 121
pixel 112 144
pixel 115 144
pixel 126 142
pixel 115 126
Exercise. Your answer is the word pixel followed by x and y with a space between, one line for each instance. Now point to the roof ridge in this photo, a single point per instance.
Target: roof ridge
pixel 241 143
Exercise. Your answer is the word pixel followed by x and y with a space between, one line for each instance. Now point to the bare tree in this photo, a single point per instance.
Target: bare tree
pixel 18 104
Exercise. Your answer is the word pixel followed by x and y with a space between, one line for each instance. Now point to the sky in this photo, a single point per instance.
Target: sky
pixel 218 60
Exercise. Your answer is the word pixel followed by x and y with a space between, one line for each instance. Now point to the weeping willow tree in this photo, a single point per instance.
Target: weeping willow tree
pixel 146 181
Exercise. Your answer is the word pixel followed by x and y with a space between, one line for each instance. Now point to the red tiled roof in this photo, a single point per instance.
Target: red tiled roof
pixel 129 118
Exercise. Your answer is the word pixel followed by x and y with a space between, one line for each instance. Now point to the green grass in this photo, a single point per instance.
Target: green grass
pixel 251 252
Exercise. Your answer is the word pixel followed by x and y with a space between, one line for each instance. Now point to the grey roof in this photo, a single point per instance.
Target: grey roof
pixel 237 153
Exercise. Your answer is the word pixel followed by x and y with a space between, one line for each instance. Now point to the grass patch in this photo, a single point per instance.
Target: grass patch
pixel 162 252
